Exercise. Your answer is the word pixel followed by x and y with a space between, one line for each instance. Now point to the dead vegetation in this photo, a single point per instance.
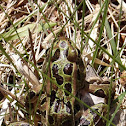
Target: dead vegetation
pixel 98 29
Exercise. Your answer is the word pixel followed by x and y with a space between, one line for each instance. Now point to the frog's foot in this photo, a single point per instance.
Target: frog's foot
pixel 92 116
pixel 20 124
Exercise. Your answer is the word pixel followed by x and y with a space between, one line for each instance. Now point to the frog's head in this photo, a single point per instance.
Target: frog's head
pixel 64 48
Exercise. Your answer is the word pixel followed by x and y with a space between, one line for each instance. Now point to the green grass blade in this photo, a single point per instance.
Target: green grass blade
pixel 23 31
pixel 112 42
pixel 101 29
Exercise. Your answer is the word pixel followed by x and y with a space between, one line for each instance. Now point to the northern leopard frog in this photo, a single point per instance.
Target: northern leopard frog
pixel 67 70
pixel 56 107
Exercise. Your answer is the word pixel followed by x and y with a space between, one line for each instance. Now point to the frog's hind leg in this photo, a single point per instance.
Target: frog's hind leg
pixel 92 116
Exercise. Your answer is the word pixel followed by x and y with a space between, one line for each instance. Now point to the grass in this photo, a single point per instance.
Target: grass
pixel 97 29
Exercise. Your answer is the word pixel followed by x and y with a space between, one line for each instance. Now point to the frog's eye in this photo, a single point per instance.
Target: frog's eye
pixel 56 55
pixel 72 54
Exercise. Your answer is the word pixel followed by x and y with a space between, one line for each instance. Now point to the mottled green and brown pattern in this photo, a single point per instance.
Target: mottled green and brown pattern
pixel 67 70
pixel 56 107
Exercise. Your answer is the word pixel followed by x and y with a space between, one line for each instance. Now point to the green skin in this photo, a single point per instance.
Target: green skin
pixel 67 70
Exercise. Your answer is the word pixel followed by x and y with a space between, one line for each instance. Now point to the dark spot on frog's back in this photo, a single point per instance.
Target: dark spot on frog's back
pixel 53 96
pixel 57 106
pixel 68 68
pixel 55 70
pixel 68 88
pixel 59 78
pixel 63 44
pixel 56 55
pixel 69 107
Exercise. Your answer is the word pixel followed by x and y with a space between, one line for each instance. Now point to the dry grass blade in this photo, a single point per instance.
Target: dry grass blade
pixel 93 26
pixel 26 71
pixel 6 92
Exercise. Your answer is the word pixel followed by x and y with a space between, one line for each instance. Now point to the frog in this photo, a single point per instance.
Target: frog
pixel 65 68
pixel 65 77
